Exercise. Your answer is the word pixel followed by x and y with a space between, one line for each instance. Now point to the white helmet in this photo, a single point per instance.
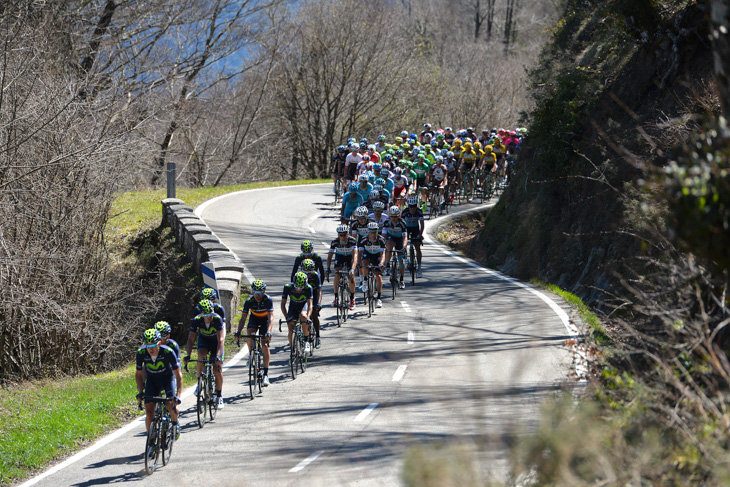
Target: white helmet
pixel 394 211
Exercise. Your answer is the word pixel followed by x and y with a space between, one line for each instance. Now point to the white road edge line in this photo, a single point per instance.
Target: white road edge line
pixel 405 306
pixel 399 373
pixel 411 337
pixel 364 413
pixel 312 230
pixel 306 461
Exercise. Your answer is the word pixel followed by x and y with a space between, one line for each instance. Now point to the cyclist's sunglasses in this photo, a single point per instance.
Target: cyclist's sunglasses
pixel 208 315
pixel 342 234
pixel 152 345
pixel 258 292
pixel 377 211
pixel 372 231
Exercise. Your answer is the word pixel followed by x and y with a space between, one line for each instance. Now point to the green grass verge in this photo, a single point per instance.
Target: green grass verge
pixel 133 211
pixel 585 313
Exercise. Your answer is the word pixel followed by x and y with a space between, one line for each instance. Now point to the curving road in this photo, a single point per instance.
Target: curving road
pixel 464 356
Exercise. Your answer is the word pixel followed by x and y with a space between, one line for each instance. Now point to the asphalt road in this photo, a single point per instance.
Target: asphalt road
pixel 463 357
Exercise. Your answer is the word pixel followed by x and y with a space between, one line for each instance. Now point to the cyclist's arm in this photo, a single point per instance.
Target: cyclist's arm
pixel 283 305
pixel 271 321
pixel 189 346
pixel 242 322
pixel 139 378
pixel 179 379
pixel 297 263
pixel 221 339
pixel 309 307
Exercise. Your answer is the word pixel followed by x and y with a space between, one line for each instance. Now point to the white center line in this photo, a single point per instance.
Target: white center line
pixel 326 244
pixel 405 306
pixel 411 337
pixel 306 461
pixel 364 413
pixel 312 230
pixel 399 373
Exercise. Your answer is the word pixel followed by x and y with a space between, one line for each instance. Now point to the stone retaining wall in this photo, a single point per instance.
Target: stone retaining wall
pixel 202 245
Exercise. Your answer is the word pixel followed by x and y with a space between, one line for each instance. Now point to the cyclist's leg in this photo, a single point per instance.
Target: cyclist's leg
pixel 303 319
pixel 400 247
pixel 217 366
pixel 336 282
pixel 170 394
pixel 202 353
pixel 150 387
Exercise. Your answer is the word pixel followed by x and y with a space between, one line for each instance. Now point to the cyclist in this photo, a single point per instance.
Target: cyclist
pixel 386 176
pixel 350 202
pixel 309 268
pixel 421 169
pixel 156 367
pixel 211 332
pixel 488 167
pixel 377 215
pixel 381 145
pixel 439 176
pixel 359 227
pixel 383 194
pixel 467 166
pixel 371 249
pixel 211 295
pixel 337 166
pixel 165 331
pixel 343 248
pixel 452 170
pixel 308 253
pixel 261 307
pixel 412 216
pixel 351 162
pixel 397 237
pixel 300 305
pixel 400 186
pixel 427 130
pixel 449 135
pixel 365 187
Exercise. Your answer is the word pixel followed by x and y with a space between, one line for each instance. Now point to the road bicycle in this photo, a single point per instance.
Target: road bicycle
pixel 465 188
pixel 206 400
pixel 255 365
pixel 297 355
pixel 369 293
pixel 338 191
pixel 160 438
pixel 343 297
pixel 412 264
pixel 394 271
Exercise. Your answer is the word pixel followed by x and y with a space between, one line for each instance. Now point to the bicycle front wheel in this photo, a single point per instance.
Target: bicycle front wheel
pixel 152 448
pixel 293 356
pixel 412 264
pixel 167 440
pixel 252 374
pixel 201 404
pixel 212 399
pixel 394 277
pixel 302 354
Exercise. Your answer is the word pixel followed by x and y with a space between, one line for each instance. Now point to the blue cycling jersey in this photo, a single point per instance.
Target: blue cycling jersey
pixel 351 203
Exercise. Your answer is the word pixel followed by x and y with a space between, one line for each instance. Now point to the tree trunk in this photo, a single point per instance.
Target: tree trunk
pixel 720 28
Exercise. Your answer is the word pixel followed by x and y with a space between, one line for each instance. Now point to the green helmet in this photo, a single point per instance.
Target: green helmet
pixel 258 285
pixel 300 280
pixel 206 307
pixel 209 293
pixel 308 265
pixel 163 327
pixel 307 246
pixel 152 336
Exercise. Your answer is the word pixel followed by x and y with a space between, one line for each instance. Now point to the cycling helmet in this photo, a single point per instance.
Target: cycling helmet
pixel 381 137
pixel 353 147
pixel 163 327
pixel 343 228
pixel 394 211
pixel 427 126
pixel 399 153
pixel 404 134
pixel 488 148
pixel 152 336
pixel 374 195
pixel 378 187
pixel 439 158
pixel 342 148
pixel 300 280
pixel 451 154
pixel 397 171
pixel 351 140
pixel 373 227
pixel 307 246
pixel 444 152
pixel 363 145
pixel 470 129
pixel 448 129
pixel 384 173
pixel 380 181
pixel 415 151
pixel 209 293
pixel 412 201
pixel 412 136
pixel 361 211
pixel 206 307
pixel 363 177
pixel 353 187
pixel 378 205
pixel 371 148
pixel 399 139
pixel 364 141
pixel 485 132
pixel 387 157
pixel 467 144
pixel 258 285
pixel 477 144
pixel 406 146
pixel 308 265
pixel 457 141
pixel 377 166
pixel 371 177
pixel 440 136
pixel 366 157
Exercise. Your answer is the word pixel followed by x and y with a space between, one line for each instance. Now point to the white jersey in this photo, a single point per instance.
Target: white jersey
pixel 439 172
pixel 353 159
pixel 381 222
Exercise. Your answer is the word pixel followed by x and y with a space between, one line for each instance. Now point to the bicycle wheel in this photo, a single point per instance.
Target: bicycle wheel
pixel 212 399
pixel 201 402
pixel 412 264
pixel 166 435
pixel 150 461
pixel 394 277
pixel 302 354
pixel 293 354
pixel 369 294
pixel 252 374
pixel 344 302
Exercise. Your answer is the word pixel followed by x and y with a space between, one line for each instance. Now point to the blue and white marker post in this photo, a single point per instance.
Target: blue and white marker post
pixel 208 271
